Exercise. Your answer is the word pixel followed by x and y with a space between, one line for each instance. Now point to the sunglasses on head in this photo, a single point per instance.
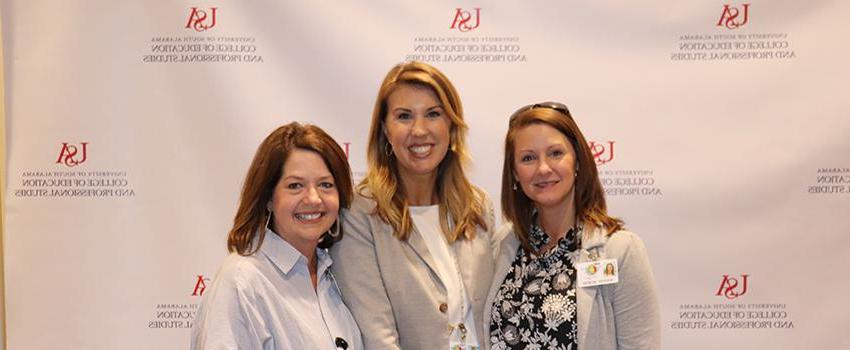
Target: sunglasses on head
pixel 560 107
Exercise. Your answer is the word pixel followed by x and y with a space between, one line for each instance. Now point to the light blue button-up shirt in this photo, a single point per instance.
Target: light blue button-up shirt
pixel 267 301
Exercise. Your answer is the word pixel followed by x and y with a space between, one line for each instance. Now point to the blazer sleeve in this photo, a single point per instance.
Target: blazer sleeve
pixel 358 274
pixel 635 303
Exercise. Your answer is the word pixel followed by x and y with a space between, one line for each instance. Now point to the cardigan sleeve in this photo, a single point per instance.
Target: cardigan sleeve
pixel 635 300
pixel 357 272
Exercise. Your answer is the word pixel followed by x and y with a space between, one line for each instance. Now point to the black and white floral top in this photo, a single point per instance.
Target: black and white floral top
pixel 535 308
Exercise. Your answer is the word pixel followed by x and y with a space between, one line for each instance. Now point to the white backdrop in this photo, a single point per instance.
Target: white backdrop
pixel 720 127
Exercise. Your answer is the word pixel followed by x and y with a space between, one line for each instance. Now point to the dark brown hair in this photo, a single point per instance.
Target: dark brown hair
pixel 589 195
pixel 265 172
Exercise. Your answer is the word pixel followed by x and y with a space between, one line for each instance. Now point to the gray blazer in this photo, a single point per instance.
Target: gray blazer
pixel 392 287
pixel 620 316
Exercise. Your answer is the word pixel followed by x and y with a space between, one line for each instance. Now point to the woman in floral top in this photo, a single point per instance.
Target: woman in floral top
pixel 549 290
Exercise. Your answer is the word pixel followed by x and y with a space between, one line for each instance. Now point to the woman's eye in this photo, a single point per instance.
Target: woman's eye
pixel 403 116
pixel 526 158
pixel 556 153
pixel 435 114
pixel 294 186
pixel 326 185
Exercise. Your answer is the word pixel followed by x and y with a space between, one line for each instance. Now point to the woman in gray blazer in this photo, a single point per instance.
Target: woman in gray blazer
pixel 552 288
pixel 417 260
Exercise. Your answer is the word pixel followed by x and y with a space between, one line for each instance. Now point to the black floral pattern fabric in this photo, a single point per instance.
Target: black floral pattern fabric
pixel 535 307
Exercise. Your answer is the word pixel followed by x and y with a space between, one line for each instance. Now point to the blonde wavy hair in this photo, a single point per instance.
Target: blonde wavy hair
pixel 459 201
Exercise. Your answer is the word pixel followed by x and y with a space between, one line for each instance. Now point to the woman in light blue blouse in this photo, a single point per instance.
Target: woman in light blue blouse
pixel 275 289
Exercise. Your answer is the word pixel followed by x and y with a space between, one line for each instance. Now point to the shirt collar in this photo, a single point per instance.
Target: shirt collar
pixel 285 256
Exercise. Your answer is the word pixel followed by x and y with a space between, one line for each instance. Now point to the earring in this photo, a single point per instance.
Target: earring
pixel 334 231
pixel 514 185
pixel 268 217
pixel 388 150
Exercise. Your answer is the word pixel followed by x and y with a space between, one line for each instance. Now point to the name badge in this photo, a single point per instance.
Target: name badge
pixel 458 346
pixel 597 273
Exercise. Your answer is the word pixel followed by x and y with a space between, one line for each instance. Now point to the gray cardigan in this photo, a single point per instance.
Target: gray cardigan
pixel 392 287
pixel 619 316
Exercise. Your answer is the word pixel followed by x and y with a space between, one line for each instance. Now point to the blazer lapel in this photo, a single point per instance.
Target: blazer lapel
pixel 417 243
pixel 593 239
pixel 504 262
pixel 475 260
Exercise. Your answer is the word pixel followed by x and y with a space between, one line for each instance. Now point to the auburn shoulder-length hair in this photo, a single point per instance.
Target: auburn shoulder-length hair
pixel 265 172
pixel 459 201
pixel 589 194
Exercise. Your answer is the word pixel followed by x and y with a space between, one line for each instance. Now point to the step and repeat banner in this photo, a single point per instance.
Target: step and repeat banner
pixel 720 129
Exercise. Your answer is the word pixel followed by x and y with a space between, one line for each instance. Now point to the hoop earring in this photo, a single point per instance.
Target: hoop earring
pixel 389 150
pixel 334 231
pixel 268 218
